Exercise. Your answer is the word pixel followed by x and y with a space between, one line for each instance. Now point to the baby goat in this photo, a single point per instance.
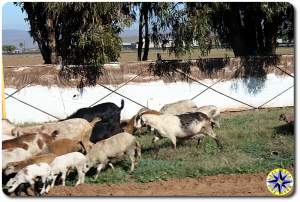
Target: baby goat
pixel 29 175
pixel 64 163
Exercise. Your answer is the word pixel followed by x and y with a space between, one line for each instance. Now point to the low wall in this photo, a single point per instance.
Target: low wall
pixel 63 101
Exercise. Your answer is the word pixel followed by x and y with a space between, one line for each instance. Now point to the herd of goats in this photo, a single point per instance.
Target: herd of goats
pixel 40 156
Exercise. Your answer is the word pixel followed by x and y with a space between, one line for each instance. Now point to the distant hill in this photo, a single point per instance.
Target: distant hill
pixel 129 35
pixel 15 37
pixel 129 39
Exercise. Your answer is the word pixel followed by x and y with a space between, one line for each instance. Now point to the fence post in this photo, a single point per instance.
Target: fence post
pixel 3 96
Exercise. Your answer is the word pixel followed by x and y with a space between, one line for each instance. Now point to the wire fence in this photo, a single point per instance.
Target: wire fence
pixel 116 91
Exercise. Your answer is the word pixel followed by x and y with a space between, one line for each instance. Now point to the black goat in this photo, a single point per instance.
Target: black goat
pixel 105 111
pixel 104 130
pixel 110 114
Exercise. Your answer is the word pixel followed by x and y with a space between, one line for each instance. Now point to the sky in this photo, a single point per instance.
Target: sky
pixel 13 18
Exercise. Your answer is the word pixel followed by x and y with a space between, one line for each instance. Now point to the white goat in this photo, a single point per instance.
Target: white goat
pixel 29 175
pixel 63 164
pixel 114 147
pixel 212 112
pixel 180 107
pixel 190 125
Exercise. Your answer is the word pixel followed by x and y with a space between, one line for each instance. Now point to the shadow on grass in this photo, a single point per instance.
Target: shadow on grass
pixel 155 147
pixel 286 129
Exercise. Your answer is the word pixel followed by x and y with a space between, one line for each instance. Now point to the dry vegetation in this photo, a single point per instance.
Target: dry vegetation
pixel 211 68
pixel 130 56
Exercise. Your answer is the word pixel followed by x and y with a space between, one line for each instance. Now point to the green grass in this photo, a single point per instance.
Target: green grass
pixel 253 141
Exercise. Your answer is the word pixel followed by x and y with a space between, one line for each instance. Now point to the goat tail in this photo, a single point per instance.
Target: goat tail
pixel 122 104
pixel 95 120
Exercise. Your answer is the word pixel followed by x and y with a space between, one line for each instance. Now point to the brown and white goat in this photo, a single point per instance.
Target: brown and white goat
pixel 34 142
pixel 130 126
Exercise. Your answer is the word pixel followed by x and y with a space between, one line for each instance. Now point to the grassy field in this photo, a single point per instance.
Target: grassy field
pixel 253 141
pixel 127 56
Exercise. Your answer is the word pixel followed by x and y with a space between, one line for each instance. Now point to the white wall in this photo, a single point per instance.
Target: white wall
pixel 60 101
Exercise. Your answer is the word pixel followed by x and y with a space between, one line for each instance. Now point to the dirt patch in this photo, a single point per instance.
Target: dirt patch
pixel 218 185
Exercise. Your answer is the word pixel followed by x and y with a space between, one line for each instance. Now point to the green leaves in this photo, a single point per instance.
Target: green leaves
pixel 81 33
pixel 8 48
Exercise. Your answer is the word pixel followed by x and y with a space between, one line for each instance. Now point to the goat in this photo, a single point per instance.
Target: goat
pixel 64 146
pixel 130 126
pixel 105 111
pixel 77 128
pixel 212 112
pixel 14 167
pixel 34 142
pixel 104 130
pixel 190 125
pixel 114 147
pixel 62 164
pixel 110 115
pixel 289 119
pixel 180 107
pixel 29 175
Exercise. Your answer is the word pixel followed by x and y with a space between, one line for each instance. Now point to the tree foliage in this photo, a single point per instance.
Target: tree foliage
pixel 8 48
pixel 150 14
pixel 248 28
pixel 91 35
pixel 42 29
pixel 80 33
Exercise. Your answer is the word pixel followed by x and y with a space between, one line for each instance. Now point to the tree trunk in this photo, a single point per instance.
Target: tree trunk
pixel 236 37
pixel 270 33
pixel 243 39
pixel 147 39
pixel 52 40
pixel 140 44
pixel 45 51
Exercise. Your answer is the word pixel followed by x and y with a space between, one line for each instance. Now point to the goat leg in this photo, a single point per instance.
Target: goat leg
pixel 220 146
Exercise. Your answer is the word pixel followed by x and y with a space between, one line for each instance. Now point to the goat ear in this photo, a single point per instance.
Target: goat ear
pixel 124 124
pixel 138 116
pixel 54 133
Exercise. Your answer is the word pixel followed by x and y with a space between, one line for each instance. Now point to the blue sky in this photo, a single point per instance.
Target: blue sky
pixel 13 18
